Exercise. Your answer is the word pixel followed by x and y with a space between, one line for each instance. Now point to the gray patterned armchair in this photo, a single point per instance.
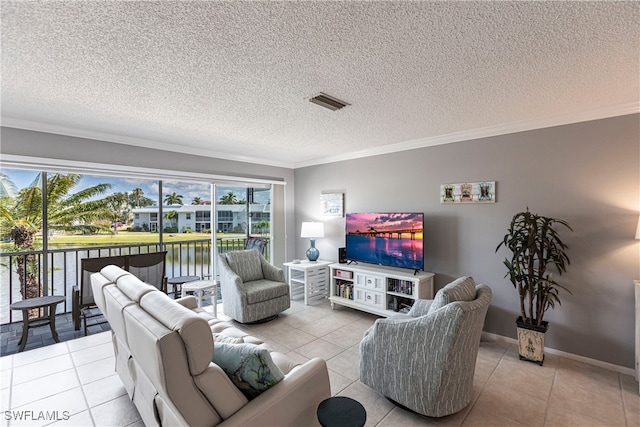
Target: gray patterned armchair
pixel 252 289
pixel 425 360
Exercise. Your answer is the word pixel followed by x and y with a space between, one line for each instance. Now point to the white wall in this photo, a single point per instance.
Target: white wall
pixel 586 173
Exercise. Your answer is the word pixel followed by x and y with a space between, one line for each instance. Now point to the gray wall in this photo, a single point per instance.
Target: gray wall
pixel 50 146
pixel 586 173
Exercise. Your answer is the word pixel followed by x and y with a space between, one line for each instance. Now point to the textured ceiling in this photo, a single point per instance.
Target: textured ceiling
pixel 231 79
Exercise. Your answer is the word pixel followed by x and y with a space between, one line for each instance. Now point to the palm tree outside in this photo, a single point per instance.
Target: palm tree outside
pixel 119 204
pixel 173 199
pixel 136 195
pixel 21 219
pixel 172 216
pixel 262 226
pixel 7 187
pixel 229 199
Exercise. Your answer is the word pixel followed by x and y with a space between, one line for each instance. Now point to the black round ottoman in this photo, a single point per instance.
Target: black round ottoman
pixel 341 411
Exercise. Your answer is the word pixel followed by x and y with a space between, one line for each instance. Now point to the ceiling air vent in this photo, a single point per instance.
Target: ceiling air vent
pixel 326 101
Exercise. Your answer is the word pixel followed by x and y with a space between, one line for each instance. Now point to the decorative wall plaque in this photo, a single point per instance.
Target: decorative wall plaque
pixel 332 204
pixel 468 192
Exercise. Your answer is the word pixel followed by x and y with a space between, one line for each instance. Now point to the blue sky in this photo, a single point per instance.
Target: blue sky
pixel 189 190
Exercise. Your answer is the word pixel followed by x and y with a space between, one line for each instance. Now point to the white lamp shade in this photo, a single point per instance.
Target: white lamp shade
pixel 312 230
pixel 638 229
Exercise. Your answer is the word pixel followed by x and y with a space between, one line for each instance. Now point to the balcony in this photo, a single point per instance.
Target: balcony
pixel 58 270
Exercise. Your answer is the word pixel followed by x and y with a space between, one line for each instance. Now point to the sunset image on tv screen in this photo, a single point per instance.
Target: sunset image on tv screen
pixel 394 239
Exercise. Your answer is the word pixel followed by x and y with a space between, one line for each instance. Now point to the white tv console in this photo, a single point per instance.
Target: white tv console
pixel 378 290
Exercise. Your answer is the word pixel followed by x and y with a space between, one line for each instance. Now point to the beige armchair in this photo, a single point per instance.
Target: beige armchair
pixel 252 289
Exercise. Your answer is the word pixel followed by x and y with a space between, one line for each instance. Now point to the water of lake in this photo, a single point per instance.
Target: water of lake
pixel 405 253
pixel 182 260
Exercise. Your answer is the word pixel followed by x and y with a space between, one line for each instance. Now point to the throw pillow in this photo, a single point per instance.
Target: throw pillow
pixel 249 367
pixel 225 339
pixel 461 289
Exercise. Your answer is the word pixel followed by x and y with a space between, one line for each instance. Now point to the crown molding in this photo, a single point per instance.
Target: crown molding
pixel 11 122
pixel 105 169
pixel 490 131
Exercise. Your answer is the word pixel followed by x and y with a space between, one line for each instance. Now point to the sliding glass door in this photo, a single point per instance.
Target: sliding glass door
pixel 242 212
pixel 43 239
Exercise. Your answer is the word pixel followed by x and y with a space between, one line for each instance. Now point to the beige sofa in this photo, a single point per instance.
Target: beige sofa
pixel 164 350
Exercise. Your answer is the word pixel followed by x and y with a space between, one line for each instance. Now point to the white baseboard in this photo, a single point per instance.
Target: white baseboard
pixel 487 336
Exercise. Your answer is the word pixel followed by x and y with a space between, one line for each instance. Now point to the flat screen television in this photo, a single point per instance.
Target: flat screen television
pixel 392 239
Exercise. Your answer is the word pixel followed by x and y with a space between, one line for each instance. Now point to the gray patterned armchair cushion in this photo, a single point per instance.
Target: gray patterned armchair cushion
pixel 252 289
pixel 426 360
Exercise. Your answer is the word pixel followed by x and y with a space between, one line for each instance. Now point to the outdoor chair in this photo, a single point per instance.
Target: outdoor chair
pixel 82 302
pixel 425 360
pixel 149 268
pixel 252 289
pixel 257 243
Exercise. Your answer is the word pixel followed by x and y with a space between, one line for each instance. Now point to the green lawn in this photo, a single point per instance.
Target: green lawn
pixel 122 238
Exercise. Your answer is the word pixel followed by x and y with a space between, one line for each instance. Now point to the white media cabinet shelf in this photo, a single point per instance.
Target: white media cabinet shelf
pixel 384 291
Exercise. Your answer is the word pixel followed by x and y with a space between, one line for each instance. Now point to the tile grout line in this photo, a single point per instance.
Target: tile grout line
pixel 36 378
pixel 84 396
pixel 10 389
pixel 548 404
pixel 387 415
pixel 484 385
pixel 624 406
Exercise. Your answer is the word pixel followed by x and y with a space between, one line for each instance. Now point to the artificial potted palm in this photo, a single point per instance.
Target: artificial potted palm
pixel 536 248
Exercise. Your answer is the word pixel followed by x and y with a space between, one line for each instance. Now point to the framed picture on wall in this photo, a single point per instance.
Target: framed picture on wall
pixel 468 192
pixel 332 204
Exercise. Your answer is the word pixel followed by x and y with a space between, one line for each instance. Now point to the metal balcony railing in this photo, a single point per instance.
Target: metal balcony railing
pixel 184 258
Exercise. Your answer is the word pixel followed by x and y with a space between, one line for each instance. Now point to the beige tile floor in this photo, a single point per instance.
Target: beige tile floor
pixel 73 383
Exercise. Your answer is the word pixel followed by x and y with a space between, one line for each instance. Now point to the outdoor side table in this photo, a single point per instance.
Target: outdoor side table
pixel 199 287
pixel 39 302
pixel 177 282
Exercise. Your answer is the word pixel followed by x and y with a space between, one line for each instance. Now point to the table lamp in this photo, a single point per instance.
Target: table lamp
pixel 312 230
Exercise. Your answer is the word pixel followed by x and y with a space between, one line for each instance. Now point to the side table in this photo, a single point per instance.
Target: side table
pixel 50 302
pixel 198 287
pixel 341 411
pixel 309 278
pixel 177 282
